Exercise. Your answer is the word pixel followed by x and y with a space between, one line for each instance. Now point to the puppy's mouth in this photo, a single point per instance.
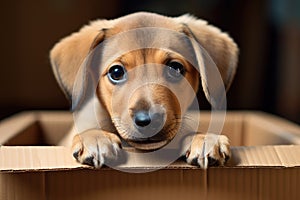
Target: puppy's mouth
pixel 148 144
pixel 153 142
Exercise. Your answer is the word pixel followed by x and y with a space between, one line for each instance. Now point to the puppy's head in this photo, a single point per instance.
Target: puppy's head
pixel 145 91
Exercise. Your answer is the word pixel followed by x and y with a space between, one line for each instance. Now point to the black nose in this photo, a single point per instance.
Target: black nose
pixel 142 118
pixel 145 118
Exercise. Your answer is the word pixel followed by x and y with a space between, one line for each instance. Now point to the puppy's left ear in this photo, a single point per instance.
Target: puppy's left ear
pixel 220 47
pixel 68 54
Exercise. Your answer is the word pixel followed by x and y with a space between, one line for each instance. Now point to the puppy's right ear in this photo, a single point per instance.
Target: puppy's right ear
pixel 219 54
pixel 68 54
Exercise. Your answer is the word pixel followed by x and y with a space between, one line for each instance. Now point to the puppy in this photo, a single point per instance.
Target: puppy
pixel 135 102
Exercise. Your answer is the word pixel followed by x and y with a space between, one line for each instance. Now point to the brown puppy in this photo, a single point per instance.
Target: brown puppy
pixel 126 107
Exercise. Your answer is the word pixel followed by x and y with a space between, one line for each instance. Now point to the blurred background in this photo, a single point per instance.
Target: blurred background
pixel 267 32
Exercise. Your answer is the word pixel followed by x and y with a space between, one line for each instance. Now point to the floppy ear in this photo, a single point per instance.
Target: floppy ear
pixel 220 47
pixel 68 54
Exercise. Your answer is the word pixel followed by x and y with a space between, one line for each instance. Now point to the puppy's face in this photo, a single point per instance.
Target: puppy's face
pixel 146 92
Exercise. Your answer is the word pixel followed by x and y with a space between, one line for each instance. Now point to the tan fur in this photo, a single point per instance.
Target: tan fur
pixel 68 55
pixel 219 45
pixel 160 94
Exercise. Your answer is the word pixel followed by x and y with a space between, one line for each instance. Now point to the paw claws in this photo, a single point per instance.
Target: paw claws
pixel 212 161
pixel 95 147
pixel 211 150
pixel 194 161
pixel 88 161
pixel 76 154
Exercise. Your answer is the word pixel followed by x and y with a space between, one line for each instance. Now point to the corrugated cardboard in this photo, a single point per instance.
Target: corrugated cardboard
pixel 265 164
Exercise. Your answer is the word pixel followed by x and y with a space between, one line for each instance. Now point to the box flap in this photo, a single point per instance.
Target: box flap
pixel 266 156
pixel 289 155
pixel 29 158
pixel 59 158
pixel 261 128
pixel 246 128
pixel 12 126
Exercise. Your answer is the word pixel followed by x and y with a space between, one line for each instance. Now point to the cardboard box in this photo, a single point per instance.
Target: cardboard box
pixel 265 164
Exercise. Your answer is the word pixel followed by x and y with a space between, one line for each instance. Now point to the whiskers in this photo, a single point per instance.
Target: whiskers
pixel 178 124
pixel 172 127
pixel 123 128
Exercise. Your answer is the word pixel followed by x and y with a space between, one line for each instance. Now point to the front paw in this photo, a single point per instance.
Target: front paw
pixel 95 147
pixel 208 150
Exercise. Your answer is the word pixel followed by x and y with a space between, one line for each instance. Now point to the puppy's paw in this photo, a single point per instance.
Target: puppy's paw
pixel 96 147
pixel 208 150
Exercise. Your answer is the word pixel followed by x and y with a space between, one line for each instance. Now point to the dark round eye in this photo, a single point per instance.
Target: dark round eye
pixel 174 71
pixel 117 74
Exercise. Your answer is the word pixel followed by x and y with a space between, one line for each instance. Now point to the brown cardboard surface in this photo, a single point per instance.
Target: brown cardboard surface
pixel 265 164
pixel 264 143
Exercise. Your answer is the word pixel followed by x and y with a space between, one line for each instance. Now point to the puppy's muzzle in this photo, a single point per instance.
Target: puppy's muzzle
pixel 148 123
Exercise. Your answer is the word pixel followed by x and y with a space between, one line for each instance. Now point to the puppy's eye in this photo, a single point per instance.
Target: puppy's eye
pixel 117 74
pixel 174 71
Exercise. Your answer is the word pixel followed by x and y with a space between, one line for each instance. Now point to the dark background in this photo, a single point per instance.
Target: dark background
pixel 267 32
